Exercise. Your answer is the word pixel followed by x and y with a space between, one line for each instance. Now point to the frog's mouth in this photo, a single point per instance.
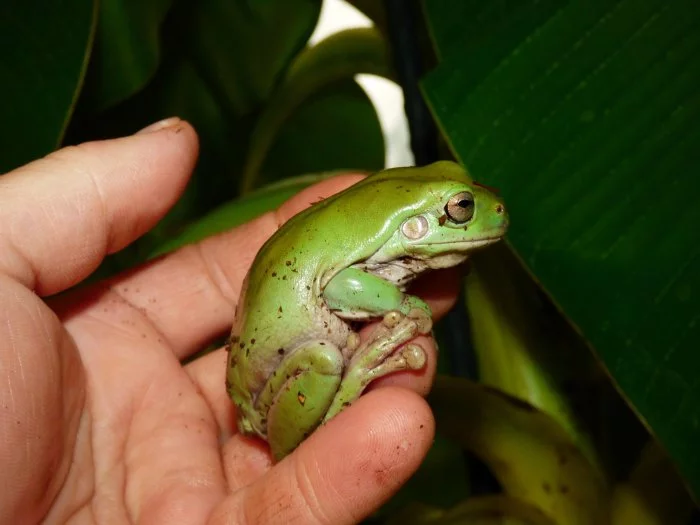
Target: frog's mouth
pixel 460 246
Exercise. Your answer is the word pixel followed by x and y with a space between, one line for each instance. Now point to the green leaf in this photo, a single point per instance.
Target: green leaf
pixel 337 128
pixel 45 53
pixel 127 51
pixel 517 352
pixel 589 125
pixel 525 348
pixel 532 457
pixel 340 56
pixel 243 47
pixel 458 26
pixel 654 494
pixel 480 510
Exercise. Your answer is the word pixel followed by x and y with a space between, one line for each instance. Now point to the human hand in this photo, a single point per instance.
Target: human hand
pixel 100 421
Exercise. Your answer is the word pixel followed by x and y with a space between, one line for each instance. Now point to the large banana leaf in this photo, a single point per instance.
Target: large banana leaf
pixel 585 114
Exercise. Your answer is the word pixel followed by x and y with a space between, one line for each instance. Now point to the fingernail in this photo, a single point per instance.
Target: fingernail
pixel 161 124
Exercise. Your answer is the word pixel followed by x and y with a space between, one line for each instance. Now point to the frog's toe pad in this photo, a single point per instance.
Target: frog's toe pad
pixel 414 356
pixel 392 318
pixel 424 324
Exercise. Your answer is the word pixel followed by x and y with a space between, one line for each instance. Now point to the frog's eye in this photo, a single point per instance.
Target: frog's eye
pixel 460 207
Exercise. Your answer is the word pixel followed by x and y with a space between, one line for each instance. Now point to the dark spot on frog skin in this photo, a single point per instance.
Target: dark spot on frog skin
pixel 322 343
pixel 279 309
pixel 301 398
pixel 280 351
pixel 274 274
pixel 247 352
pixel 284 277
pixel 346 404
pixel 308 287
pixel 563 489
pixel 547 487
pixel 442 220
pixel 288 263
pixel 252 341
pixel 242 344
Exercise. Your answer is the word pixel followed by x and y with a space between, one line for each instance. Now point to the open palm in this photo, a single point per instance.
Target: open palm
pixel 99 420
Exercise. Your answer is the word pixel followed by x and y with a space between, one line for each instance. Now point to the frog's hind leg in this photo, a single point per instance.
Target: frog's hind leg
pixel 377 357
pixel 299 393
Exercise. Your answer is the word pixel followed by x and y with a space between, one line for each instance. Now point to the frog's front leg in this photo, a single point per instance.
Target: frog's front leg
pixel 298 394
pixel 355 294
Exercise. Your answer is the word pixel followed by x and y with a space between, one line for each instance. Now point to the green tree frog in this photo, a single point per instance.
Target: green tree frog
pixel 295 359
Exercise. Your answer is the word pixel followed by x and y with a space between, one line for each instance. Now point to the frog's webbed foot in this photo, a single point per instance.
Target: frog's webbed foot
pixel 377 356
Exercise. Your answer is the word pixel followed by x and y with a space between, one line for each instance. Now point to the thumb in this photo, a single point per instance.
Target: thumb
pixel 60 216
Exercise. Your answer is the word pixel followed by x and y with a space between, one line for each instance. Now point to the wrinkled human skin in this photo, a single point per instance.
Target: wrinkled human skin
pixel 100 421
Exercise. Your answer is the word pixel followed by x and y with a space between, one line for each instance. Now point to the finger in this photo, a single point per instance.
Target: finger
pixel 190 295
pixel 208 372
pixel 345 470
pixel 439 288
pixel 60 216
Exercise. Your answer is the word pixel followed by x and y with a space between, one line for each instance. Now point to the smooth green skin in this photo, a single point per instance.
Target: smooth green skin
pixel 294 360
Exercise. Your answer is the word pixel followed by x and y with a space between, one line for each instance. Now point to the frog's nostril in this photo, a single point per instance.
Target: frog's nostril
pixel 499 209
